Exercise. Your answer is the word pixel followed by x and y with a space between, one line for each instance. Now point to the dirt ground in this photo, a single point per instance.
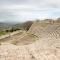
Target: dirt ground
pixel 39 43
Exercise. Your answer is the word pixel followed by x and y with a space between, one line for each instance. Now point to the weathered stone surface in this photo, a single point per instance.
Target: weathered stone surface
pixel 47 47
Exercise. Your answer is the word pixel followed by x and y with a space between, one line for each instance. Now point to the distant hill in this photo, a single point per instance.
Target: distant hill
pixel 10 27
pixel 23 26
pixel 4 26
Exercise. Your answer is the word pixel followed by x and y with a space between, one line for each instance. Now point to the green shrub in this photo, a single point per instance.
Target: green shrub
pixel 2 33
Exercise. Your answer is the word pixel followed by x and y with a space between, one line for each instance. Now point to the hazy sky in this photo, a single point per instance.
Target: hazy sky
pixel 22 10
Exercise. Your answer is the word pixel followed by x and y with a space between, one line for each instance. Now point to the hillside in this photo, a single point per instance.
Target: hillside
pixel 40 42
pixel 6 26
pixel 48 33
pixel 11 27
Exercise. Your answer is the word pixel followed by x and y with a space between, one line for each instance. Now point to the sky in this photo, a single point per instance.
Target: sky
pixel 24 10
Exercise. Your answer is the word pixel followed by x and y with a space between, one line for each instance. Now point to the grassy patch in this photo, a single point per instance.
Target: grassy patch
pixel 2 33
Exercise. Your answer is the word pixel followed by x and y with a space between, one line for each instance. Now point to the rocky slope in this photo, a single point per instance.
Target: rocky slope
pixel 46 47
